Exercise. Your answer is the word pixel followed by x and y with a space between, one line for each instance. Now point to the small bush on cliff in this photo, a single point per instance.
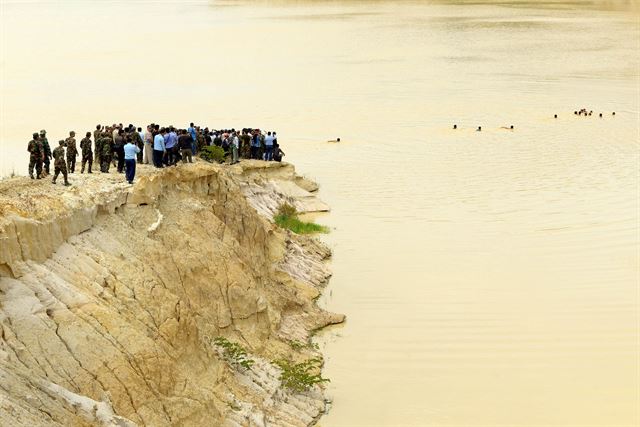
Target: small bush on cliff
pixel 302 376
pixel 287 217
pixel 212 153
pixel 297 345
pixel 234 353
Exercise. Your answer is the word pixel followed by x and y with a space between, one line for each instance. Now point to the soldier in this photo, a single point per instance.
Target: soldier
pixel 47 151
pixel 118 148
pixel 87 154
pixel 36 155
pixel 98 153
pixel 199 140
pixel 60 165
pixel 106 145
pixel 96 137
pixel 245 146
pixel 136 139
pixel 72 152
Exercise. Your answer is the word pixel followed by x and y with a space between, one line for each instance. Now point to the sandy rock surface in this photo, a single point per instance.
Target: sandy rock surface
pixel 111 295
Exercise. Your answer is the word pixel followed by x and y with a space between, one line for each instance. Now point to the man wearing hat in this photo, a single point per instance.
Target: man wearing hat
pixel 59 163
pixel 72 152
pixel 47 151
pixel 36 154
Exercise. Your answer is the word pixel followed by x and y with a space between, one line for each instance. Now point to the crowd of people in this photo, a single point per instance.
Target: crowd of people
pixel 125 146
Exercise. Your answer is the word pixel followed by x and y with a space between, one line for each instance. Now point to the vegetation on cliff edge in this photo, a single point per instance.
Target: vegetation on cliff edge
pixel 234 353
pixel 301 376
pixel 287 217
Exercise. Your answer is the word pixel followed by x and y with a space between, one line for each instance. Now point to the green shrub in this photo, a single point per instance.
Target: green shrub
pixel 302 376
pixel 234 353
pixel 298 345
pixel 212 153
pixel 287 217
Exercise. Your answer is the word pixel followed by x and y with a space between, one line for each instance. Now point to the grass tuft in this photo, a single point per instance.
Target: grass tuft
pixel 287 217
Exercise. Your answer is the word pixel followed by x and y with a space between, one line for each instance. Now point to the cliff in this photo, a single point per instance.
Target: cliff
pixel 111 296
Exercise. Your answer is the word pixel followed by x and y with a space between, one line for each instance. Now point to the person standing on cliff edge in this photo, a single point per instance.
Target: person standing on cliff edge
pixel 106 151
pixel 96 137
pixel 147 156
pixel 47 151
pixel 59 163
pixel 72 152
pixel 36 155
pixel 193 133
pixel 131 151
pixel 118 146
pixel 158 147
pixel 87 154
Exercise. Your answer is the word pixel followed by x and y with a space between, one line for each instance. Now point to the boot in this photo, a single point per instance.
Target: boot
pixel 53 181
pixel 66 183
pixel 89 171
pixel 31 176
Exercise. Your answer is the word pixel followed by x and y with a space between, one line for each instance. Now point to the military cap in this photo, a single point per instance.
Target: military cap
pixel 35 135
pixel 42 132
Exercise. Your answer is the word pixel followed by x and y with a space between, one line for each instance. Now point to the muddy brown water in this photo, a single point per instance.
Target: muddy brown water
pixel 489 278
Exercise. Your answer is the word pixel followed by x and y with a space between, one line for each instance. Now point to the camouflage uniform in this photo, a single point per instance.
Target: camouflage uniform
pixel 47 151
pixel 72 152
pixel 59 163
pixel 96 138
pixel 87 155
pixel 245 146
pixel 106 152
pixel 36 153
pixel 138 142
pixel 199 141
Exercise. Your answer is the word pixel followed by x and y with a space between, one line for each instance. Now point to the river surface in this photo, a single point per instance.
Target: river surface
pixel 489 278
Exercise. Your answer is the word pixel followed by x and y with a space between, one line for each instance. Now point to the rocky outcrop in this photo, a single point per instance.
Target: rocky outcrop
pixel 111 296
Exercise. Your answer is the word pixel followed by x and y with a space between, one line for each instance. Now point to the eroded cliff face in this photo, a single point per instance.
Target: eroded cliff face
pixel 111 296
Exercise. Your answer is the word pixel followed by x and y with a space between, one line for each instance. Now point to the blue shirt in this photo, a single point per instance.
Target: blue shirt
pixel 255 141
pixel 192 132
pixel 130 151
pixel 268 140
pixel 170 140
pixel 158 143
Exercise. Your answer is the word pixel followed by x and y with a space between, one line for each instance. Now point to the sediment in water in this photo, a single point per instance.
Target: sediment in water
pixel 111 296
